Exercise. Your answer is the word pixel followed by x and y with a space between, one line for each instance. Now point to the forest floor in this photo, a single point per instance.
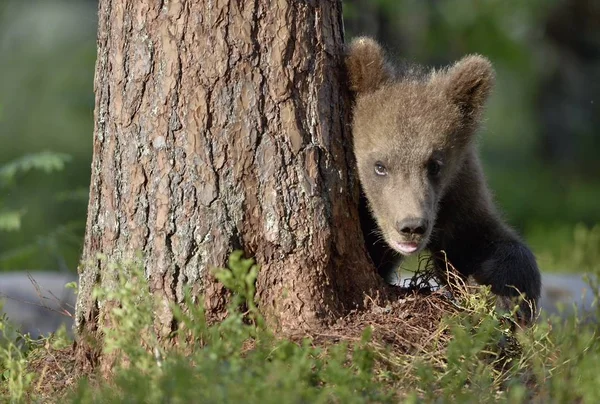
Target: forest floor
pixel 423 345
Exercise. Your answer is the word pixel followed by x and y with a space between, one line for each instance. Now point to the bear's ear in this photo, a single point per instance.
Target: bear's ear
pixel 469 83
pixel 366 65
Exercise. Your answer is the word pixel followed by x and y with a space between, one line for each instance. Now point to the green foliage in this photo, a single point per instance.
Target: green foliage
pixel 134 314
pixel 15 380
pixel 48 162
pixel 11 218
pixel 563 248
pixel 240 278
pixel 46 98
pixel 480 359
pixel 17 351
pixel 238 360
pixel 232 361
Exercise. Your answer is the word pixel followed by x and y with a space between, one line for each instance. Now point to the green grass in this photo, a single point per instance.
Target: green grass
pixel 557 213
pixel 475 356
pixel 564 248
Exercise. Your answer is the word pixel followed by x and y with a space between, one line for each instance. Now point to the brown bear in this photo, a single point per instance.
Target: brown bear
pixel 414 140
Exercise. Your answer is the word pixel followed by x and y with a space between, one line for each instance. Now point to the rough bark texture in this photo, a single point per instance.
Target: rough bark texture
pixel 222 125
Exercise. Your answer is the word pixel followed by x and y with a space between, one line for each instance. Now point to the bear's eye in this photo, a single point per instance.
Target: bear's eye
pixel 380 169
pixel 434 167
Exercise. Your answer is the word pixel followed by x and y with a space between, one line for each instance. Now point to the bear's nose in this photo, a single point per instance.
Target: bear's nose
pixel 412 226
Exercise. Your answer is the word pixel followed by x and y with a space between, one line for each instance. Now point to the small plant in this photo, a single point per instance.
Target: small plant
pixel 15 379
pixel 234 360
pixel 132 339
pixel 240 277
pixel 474 353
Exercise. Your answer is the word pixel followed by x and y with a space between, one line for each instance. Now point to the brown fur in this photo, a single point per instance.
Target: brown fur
pixel 419 168
pixel 367 63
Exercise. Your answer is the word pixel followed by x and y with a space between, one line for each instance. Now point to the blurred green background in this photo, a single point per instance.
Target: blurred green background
pixel 539 144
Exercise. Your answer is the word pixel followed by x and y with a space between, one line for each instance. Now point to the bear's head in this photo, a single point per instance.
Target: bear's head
pixel 411 134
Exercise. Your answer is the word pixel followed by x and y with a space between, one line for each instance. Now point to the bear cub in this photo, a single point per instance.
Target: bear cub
pixel 423 185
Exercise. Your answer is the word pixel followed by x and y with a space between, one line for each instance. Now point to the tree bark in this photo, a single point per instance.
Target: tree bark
pixel 223 125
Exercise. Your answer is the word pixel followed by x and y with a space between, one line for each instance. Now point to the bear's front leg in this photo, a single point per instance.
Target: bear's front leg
pixel 511 270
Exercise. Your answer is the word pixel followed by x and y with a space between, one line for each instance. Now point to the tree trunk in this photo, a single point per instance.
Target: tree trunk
pixel 223 125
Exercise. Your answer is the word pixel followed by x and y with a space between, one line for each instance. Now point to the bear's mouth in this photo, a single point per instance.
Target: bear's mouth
pixel 407 247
